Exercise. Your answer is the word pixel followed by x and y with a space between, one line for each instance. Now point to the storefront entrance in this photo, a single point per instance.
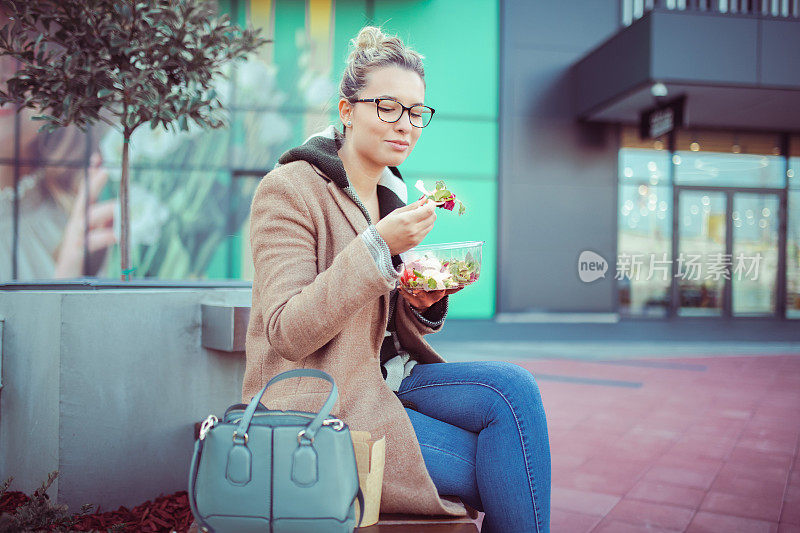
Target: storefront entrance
pixel 728 261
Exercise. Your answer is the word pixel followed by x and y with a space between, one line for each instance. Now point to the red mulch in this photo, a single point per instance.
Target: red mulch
pixel 164 514
pixel 11 500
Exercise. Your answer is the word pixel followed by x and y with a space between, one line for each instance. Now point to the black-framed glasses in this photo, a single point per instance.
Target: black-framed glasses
pixel 390 110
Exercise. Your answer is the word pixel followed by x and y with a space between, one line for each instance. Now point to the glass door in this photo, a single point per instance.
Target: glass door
pixel 755 253
pixel 727 252
pixel 702 236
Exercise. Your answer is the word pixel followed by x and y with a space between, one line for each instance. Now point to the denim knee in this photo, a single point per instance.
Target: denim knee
pixel 513 379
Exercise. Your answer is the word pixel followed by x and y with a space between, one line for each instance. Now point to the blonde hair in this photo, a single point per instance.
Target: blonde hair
pixel 373 49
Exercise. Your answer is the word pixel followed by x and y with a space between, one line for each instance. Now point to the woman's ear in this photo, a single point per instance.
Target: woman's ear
pixel 345 111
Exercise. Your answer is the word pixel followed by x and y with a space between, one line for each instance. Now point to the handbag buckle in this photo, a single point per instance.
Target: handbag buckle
pixel 208 423
pixel 335 422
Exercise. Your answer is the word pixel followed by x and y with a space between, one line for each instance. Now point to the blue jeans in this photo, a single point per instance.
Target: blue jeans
pixel 483 434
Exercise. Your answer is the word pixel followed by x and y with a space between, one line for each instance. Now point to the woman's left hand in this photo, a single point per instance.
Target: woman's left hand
pixel 421 299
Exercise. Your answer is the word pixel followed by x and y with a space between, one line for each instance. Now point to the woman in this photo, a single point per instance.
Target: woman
pixel 327 227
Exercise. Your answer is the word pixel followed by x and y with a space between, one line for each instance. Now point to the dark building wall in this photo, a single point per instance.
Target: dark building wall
pixel 558 178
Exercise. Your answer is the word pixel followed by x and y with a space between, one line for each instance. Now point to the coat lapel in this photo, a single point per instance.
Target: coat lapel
pixel 351 211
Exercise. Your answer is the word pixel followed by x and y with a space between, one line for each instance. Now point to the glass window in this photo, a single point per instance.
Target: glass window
pixel 793 172
pixel 179 224
pixel 793 256
pixel 6 222
pixel 260 137
pixel 728 159
pixel 793 231
pixel 644 166
pixel 8 113
pixel 754 258
pixel 244 186
pixel 643 269
pixel 701 252
pixel 50 241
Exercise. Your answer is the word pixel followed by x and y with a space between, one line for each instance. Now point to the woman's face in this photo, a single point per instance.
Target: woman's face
pixel 370 136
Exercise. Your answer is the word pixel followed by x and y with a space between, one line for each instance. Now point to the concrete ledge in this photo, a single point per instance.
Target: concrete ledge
pixel 106 385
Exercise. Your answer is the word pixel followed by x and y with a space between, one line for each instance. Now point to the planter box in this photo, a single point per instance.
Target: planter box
pixel 104 382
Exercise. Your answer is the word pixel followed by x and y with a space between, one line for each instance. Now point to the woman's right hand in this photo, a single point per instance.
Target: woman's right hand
pixel 407 226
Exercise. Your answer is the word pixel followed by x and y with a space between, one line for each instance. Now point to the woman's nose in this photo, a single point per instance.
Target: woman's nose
pixel 405 123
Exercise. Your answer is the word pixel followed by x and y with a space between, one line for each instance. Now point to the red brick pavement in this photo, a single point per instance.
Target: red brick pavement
pixel 688 444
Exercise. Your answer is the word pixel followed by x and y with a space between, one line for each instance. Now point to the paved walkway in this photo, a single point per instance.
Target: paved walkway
pixel 673 444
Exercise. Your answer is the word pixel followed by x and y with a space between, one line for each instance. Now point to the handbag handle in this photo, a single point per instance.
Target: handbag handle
pixel 316 423
pixel 198 451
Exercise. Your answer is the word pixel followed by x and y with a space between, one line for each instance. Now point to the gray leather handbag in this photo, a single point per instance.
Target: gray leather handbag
pixel 261 470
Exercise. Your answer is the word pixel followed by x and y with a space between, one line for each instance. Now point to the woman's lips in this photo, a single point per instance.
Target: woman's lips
pixel 398 146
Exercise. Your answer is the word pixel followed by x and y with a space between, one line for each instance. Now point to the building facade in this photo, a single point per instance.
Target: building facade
pixel 702 221
pixel 539 108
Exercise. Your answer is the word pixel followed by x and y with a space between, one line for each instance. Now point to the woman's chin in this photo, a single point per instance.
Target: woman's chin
pixel 395 159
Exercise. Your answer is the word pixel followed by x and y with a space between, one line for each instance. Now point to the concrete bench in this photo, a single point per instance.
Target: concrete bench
pixel 421 524
pixel 398 523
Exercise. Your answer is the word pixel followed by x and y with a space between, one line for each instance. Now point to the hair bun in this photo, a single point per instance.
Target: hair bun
pixel 370 37
pixel 373 49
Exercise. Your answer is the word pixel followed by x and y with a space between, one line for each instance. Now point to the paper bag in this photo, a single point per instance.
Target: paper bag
pixel 370 460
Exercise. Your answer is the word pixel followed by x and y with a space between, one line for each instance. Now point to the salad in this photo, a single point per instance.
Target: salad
pixel 429 273
pixel 442 196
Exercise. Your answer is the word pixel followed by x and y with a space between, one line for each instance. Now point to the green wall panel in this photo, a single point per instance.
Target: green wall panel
pixel 448 147
pixel 459 39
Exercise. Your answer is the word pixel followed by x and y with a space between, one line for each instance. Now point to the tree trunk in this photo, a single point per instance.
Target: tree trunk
pixel 123 208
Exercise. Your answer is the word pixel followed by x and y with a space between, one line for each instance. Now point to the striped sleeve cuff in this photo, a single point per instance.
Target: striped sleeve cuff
pixel 380 253
pixel 434 315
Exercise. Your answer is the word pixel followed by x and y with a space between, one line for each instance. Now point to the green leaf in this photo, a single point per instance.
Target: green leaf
pixel 102 93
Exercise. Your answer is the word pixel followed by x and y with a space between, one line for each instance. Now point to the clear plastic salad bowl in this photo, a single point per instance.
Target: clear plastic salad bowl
pixel 441 266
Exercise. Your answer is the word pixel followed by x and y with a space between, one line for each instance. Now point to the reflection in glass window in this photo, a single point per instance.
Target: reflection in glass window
pixel 6 222
pixel 793 256
pixel 242 266
pixel 729 170
pixel 728 159
pixel 260 137
pixel 644 167
pixel 643 269
pixel 701 252
pixel 179 223
pixel 793 231
pixel 50 243
pixel 754 258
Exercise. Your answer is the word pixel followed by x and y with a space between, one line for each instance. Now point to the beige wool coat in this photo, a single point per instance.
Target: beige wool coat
pixel 319 301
